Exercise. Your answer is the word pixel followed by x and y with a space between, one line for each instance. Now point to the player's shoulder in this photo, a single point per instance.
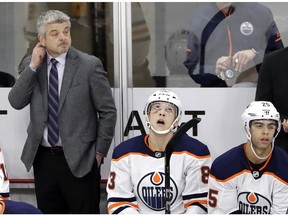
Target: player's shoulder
pixel 135 144
pixel 16 207
pixel 280 155
pixel 229 163
pixel 279 163
pixel 192 145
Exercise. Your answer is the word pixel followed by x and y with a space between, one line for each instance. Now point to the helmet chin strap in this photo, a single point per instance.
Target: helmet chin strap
pixel 172 128
pixel 260 158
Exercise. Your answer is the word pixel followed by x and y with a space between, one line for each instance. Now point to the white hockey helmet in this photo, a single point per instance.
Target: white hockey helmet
pixel 165 96
pixel 260 110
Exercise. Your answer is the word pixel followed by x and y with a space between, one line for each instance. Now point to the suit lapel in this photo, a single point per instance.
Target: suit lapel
pixel 69 72
pixel 43 80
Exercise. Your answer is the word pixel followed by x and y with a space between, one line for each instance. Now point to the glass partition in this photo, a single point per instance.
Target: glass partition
pixel 179 44
pixel 90 27
pixel 143 47
pixel 173 44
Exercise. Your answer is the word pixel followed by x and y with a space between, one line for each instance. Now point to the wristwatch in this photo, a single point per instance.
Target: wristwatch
pixel 255 51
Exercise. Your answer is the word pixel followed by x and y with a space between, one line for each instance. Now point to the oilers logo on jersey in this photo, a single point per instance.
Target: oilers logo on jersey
pixel 151 190
pixel 253 203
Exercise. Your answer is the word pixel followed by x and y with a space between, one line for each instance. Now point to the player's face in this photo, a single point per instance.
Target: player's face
pixel 262 132
pixel 162 115
pixel 57 39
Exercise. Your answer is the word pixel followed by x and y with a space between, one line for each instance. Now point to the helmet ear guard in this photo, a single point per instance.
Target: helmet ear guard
pixel 165 96
pixel 148 124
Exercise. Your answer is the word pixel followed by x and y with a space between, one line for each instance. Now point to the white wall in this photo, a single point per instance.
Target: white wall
pixel 221 127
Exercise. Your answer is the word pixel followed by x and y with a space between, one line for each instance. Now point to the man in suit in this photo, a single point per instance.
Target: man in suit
pixel 272 86
pixel 72 119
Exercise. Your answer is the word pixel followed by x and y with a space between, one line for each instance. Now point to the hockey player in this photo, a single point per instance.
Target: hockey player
pixel 252 178
pixel 16 207
pixel 4 181
pixel 136 183
pixel 8 206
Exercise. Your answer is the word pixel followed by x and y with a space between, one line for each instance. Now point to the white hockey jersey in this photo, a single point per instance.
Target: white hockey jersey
pixel 235 187
pixel 4 181
pixel 137 179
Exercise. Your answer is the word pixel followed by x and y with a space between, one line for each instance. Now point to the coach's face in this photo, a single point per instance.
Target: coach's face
pixel 57 39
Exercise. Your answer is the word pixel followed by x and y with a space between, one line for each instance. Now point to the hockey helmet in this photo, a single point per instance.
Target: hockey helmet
pixel 165 96
pixel 260 110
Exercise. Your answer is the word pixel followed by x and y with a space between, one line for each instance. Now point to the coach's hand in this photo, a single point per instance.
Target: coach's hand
pixel 285 125
pixel 99 159
pixel 38 53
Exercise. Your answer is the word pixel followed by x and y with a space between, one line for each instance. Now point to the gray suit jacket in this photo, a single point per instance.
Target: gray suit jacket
pixel 87 113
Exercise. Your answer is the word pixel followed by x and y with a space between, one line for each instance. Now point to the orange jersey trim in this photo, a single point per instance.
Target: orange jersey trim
pixel 146 155
pixel 248 171
pixel 196 156
pixel 121 204
pixel 231 177
pixel 130 153
pixel 204 202
pixel 275 176
pixel 3 207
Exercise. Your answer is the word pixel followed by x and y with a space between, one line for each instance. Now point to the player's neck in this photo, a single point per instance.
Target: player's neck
pixel 158 142
pixel 251 156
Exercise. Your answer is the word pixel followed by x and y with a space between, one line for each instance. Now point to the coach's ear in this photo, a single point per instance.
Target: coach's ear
pixel 42 40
